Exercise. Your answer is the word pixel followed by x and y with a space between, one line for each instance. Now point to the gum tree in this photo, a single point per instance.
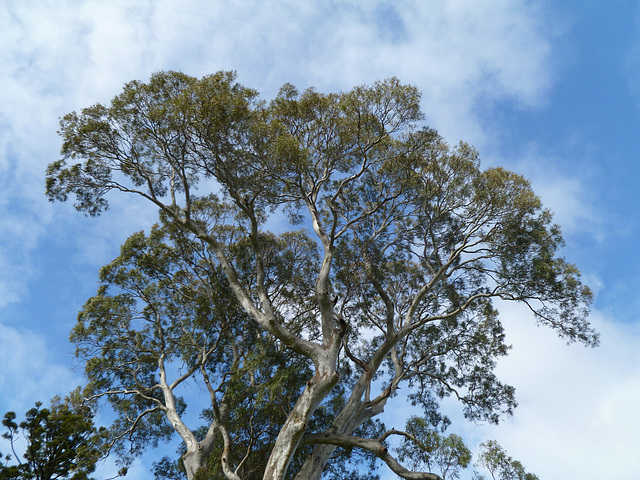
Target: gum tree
pixel 494 459
pixel 412 241
pixel 423 447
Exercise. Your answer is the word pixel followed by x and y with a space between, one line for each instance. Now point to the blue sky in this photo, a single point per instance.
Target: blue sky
pixel 550 89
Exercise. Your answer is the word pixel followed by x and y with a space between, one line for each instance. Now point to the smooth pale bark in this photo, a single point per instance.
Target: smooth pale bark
pixel 295 427
pixel 197 452
pixel 324 357
pixel 358 409
pixel 196 458
pixel 316 390
pixel 193 461
pixel 345 423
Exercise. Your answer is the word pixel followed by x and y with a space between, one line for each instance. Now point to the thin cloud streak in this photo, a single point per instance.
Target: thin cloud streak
pixel 29 374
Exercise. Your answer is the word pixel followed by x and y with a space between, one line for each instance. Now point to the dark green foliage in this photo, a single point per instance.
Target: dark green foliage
pixel 164 305
pixel 61 443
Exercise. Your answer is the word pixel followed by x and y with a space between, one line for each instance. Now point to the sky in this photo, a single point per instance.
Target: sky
pixel 549 89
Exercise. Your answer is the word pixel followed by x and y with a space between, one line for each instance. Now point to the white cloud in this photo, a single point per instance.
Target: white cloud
pixel 578 414
pixel 562 189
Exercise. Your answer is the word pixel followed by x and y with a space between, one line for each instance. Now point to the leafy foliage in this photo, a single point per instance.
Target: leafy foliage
pixel 165 308
pixel 425 448
pixel 500 465
pixel 61 443
pixel 396 246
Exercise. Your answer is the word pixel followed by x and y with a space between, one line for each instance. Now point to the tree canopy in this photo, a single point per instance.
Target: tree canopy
pixel 313 254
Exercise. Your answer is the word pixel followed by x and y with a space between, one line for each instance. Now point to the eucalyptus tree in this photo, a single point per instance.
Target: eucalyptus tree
pixel 424 447
pixel 494 459
pixel 408 242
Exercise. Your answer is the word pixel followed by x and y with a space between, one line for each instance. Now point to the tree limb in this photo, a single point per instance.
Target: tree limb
pixel 374 446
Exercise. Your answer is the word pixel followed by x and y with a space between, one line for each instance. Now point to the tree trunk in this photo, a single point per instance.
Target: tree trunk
pixel 351 417
pixel 315 463
pixel 294 428
pixel 193 461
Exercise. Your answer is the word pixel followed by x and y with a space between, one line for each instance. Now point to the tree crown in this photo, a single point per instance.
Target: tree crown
pixel 396 246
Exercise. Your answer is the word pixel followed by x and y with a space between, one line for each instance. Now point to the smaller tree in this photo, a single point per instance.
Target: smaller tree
pixel 424 449
pixel 500 465
pixel 61 443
